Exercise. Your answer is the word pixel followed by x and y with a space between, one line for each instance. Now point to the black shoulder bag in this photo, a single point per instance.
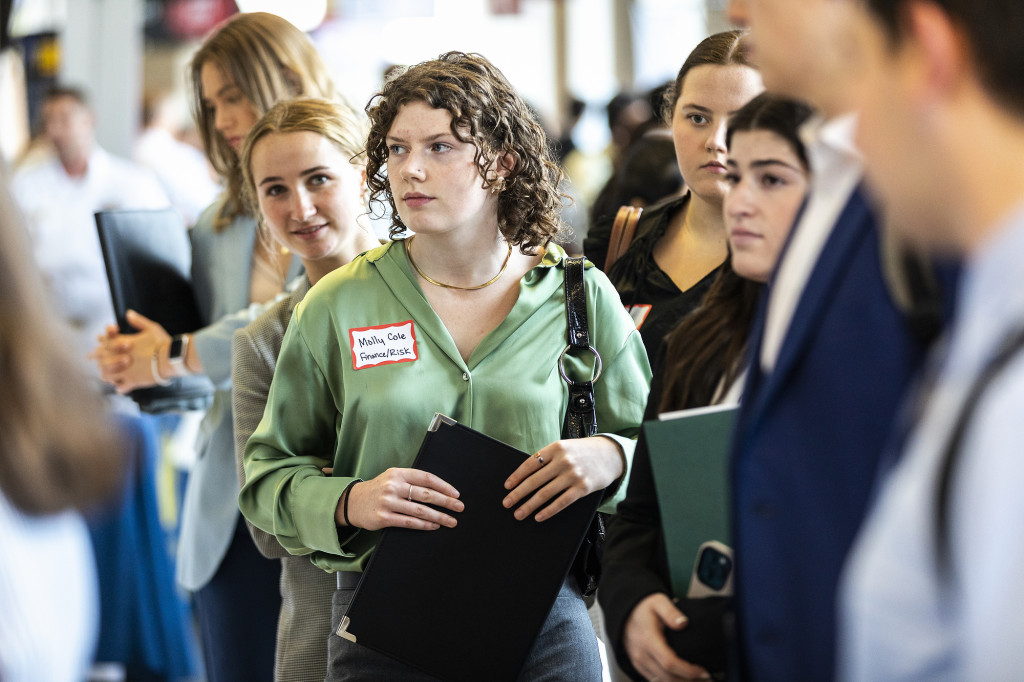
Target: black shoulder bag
pixel 580 415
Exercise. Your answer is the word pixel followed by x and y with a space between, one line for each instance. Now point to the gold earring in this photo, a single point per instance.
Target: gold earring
pixel 499 185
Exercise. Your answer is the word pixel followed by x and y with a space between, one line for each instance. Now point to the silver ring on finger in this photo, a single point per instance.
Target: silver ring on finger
pixel 410 493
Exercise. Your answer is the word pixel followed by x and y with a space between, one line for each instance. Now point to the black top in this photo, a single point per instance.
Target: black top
pixel 635 561
pixel 649 294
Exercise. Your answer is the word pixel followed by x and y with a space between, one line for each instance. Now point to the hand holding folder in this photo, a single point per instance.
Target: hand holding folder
pixel 466 603
pixel 689 453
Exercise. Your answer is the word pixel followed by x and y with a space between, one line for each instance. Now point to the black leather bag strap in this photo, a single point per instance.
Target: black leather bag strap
pixel 1012 344
pixel 580 415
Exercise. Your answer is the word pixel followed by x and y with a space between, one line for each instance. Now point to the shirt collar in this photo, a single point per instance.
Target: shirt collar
pixel 830 142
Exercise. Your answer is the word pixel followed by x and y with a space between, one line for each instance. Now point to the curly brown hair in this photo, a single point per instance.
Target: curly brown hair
pixel 487 112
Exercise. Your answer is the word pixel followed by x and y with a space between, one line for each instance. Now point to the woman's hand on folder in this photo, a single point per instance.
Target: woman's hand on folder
pixel 644 639
pixel 399 498
pixel 126 360
pixel 561 473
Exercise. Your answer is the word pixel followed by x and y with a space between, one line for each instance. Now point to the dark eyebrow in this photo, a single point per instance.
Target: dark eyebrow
pixel 705 110
pixel 308 171
pixel 762 163
pixel 432 138
pixel 697 107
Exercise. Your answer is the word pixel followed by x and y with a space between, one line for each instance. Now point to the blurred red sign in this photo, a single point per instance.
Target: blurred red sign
pixel 194 18
pixel 504 6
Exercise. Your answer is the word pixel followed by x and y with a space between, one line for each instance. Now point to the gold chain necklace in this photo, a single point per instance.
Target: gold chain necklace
pixel 492 280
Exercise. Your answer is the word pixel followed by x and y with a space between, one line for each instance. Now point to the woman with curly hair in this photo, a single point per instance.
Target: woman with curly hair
pixel 474 303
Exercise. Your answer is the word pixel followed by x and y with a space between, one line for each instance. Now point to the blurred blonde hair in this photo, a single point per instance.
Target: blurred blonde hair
pixel 269 60
pixel 59 448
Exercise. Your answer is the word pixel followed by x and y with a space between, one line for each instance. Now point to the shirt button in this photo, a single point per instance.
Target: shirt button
pixel 465 376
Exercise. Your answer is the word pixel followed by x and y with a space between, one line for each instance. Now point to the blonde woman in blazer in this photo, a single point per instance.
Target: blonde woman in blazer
pixel 246 65
pixel 328 202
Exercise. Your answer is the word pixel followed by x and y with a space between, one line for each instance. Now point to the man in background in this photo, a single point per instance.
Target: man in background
pixel 58 195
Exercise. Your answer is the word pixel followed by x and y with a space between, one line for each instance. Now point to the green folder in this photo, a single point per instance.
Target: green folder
pixel 689 453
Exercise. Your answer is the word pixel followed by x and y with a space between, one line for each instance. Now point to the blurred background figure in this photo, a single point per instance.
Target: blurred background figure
pixel 180 167
pixel 58 194
pixel 649 174
pixel 563 144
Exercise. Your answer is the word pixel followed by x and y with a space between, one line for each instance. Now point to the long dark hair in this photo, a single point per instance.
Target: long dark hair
pixel 705 349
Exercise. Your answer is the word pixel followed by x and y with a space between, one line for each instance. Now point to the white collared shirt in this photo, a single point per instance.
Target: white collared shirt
pixel 836 169
pixel 58 211
pixel 900 619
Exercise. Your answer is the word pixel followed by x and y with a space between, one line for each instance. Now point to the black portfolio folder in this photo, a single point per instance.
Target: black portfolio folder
pixel 148 259
pixel 466 603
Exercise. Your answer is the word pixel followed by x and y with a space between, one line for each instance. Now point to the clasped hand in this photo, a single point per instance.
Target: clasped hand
pixel 561 473
pixel 126 360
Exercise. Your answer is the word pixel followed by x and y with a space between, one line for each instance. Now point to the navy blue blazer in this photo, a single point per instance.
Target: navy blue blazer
pixel 808 441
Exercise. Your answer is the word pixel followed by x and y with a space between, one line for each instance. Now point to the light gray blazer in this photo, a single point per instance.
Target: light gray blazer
pixel 221 264
pixel 305 621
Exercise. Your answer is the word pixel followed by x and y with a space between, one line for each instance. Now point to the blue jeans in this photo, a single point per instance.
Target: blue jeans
pixel 565 650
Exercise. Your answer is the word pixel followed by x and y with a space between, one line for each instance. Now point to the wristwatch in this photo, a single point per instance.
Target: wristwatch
pixel 176 355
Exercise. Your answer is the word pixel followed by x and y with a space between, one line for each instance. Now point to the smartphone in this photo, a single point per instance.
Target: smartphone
pixel 712 571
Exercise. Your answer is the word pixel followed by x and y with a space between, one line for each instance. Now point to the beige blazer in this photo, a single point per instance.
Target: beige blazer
pixel 305 621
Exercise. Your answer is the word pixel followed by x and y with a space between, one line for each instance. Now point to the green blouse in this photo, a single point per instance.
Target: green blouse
pixel 366 363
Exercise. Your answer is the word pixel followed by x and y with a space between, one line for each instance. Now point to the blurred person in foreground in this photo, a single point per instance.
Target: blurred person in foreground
pixel 933 588
pixel 59 455
pixel 832 351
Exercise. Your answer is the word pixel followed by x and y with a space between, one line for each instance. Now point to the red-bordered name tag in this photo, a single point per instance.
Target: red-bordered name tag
pixel 639 313
pixel 384 344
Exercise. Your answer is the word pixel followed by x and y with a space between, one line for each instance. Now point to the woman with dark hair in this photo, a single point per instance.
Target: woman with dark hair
pixel 701 364
pixel 680 244
pixel 247 64
pixel 475 302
